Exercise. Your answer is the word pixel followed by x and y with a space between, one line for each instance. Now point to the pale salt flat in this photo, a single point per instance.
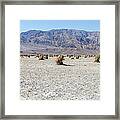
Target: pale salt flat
pixel 78 79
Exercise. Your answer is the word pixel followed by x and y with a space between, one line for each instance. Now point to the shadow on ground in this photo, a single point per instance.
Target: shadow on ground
pixel 67 65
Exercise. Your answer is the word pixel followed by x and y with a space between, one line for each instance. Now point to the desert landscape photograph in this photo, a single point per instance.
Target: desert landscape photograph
pixel 60 60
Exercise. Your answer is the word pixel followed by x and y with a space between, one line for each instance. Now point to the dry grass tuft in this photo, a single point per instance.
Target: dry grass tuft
pixel 59 60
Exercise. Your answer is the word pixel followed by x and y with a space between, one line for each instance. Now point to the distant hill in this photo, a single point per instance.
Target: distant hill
pixel 60 41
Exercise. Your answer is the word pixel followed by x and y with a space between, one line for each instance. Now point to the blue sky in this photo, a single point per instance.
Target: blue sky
pixel 88 25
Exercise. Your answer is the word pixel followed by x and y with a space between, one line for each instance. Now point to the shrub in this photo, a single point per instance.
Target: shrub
pixel 89 55
pixel 67 55
pixel 46 56
pixel 41 57
pixel 71 56
pixel 86 56
pixel 28 56
pixel 77 57
pixel 97 59
pixel 59 60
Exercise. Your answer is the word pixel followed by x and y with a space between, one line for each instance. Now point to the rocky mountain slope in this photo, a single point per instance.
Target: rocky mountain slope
pixel 60 41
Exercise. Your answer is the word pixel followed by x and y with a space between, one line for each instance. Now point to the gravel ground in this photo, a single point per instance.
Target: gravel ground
pixel 78 79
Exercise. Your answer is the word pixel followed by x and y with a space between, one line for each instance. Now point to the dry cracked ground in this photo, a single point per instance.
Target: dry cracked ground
pixel 78 79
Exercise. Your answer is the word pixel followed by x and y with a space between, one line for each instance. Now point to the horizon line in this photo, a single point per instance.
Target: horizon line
pixel 60 29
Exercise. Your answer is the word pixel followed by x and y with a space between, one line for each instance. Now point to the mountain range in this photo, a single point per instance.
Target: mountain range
pixel 60 41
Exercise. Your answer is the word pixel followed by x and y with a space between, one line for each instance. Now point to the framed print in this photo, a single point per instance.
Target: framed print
pixel 59 59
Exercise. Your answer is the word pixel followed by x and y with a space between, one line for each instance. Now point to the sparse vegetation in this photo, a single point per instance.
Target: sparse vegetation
pixel 59 58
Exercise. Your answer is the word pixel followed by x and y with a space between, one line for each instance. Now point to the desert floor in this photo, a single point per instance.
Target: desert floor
pixel 78 79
